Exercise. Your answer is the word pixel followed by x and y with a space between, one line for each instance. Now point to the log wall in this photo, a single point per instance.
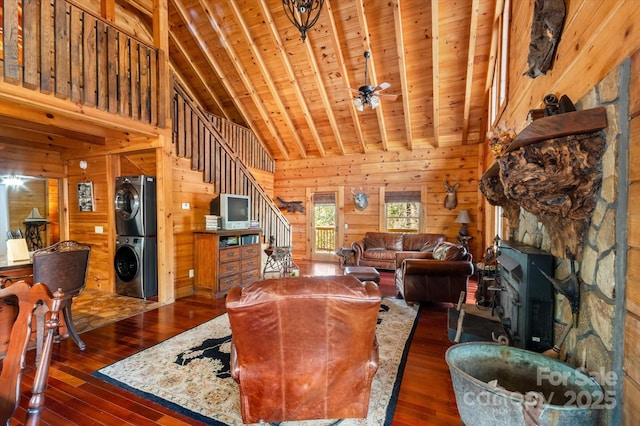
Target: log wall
pixel 418 170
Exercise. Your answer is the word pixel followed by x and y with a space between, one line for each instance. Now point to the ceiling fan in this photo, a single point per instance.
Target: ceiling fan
pixel 370 95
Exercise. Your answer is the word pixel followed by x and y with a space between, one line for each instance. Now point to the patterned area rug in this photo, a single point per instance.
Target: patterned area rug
pixel 94 309
pixel 189 373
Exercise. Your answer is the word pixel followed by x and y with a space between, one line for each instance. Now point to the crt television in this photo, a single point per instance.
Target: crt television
pixel 234 210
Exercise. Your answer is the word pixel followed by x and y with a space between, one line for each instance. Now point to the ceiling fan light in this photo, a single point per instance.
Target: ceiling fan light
pixel 375 101
pixel 357 102
pixel 303 14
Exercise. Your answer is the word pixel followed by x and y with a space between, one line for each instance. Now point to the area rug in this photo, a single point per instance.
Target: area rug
pixel 94 308
pixel 189 373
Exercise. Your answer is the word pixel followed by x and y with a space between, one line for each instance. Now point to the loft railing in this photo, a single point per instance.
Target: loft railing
pixel 325 238
pixel 196 137
pixel 57 48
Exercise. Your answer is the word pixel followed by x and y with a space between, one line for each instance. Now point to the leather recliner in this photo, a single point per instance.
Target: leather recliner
pixel 304 348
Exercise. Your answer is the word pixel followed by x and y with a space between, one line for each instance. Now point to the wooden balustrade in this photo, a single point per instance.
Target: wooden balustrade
pixel 325 238
pixel 196 136
pixel 57 48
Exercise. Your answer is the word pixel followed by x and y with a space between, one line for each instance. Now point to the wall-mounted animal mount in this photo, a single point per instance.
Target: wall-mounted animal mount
pixel 451 199
pixel 290 206
pixel 360 199
pixel 548 19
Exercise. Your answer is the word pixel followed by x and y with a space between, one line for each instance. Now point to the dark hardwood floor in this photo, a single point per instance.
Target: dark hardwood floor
pixel 74 396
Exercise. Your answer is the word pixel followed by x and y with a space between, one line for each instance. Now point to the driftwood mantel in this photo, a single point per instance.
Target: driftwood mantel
pixel 553 170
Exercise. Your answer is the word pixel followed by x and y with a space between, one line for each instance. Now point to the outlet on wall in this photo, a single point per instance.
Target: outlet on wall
pixel 186 206
pixel 191 273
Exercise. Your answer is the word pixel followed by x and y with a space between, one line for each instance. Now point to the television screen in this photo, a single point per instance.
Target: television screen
pixel 234 210
pixel 238 209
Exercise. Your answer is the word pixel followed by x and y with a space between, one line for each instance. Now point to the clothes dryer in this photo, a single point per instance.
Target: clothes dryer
pixel 135 204
pixel 136 268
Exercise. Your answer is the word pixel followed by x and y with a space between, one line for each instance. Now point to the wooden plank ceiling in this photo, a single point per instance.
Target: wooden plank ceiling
pixel 247 62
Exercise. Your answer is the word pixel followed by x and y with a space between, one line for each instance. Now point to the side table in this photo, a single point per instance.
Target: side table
pixel 346 256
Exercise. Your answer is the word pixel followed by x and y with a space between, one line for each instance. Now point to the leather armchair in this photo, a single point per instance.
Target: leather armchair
pixel 431 280
pixel 304 348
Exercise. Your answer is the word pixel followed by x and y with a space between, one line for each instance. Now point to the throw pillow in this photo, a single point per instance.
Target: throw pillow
pixel 428 246
pixel 449 251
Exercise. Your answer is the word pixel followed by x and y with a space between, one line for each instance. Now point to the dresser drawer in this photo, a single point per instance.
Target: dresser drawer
pixel 248 264
pixel 229 254
pixel 250 276
pixel 229 268
pixel 250 251
pixel 225 283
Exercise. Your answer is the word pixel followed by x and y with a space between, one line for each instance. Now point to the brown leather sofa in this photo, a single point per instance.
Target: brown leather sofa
pixel 378 249
pixel 304 348
pixel 439 276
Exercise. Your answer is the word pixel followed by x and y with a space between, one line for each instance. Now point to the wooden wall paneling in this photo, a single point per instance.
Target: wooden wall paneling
pixel 634 90
pixel 102 64
pixel 113 57
pixel 75 47
pixel 134 57
pixel 123 90
pixel 30 43
pixel 144 83
pixel 11 54
pixel 90 61
pixel 62 39
pixel 46 47
pixel 631 403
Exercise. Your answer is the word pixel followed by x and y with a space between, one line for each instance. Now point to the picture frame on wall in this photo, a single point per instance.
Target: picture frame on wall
pixel 85 197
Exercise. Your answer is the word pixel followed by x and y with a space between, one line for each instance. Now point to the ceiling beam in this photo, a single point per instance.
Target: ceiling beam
pixel 473 38
pixel 186 17
pixel 345 76
pixel 362 19
pixel 435 37
pixel 55 133
pixel 183 51
pixel 226 44
pixel 269 80
pixel 402 65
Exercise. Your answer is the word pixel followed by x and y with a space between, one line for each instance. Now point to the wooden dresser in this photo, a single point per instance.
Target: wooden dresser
pixel 226 258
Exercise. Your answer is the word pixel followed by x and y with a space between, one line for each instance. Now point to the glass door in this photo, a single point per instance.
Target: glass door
pixel 324 224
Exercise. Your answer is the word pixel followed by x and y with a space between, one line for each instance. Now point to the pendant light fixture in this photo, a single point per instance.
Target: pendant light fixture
pixel 303 14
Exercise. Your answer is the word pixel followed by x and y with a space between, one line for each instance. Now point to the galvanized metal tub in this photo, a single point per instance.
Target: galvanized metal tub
pixel 543 389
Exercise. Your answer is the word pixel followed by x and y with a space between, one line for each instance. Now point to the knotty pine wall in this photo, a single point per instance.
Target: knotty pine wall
pixel 598 36
pixel 418 170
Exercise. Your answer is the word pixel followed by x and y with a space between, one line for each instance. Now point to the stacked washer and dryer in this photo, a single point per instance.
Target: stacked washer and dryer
pixel 136 249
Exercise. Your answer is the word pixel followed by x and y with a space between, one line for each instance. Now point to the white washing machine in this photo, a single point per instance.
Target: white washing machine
pixel 135 203
pixel 136 266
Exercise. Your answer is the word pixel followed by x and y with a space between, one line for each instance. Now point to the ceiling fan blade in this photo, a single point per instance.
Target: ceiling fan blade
pixel 353 90
pixel 381 86
pixel 388 96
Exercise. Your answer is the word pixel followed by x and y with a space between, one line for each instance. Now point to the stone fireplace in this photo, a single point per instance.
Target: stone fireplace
pixel 595 342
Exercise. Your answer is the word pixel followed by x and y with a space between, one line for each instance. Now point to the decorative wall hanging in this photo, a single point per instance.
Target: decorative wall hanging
pixel 546 27
pixel 360 199
pixel 290 206
pixel 85 197
pixel 451 199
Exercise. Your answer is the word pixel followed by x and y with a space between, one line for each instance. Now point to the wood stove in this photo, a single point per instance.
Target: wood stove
pixel 526 296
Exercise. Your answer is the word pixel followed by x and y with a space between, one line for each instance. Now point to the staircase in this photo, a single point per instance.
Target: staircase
pixel 209 142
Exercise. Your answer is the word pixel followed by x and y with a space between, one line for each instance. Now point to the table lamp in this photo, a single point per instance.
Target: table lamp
pixel 463 218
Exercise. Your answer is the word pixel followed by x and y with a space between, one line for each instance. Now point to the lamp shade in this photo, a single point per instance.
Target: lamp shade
pixel 463 217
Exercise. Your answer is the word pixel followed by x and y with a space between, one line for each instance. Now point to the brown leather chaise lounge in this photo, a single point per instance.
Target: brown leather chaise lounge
pixel 304 348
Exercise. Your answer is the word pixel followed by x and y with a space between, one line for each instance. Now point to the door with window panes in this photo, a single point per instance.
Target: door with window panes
pixel 402 211
pixel 324 225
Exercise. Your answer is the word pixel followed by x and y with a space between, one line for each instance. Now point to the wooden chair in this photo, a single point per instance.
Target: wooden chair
pixel 29 299
pixel 64 266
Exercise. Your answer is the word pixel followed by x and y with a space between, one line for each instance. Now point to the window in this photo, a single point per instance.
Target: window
pixel 500 54
pixel 402 211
